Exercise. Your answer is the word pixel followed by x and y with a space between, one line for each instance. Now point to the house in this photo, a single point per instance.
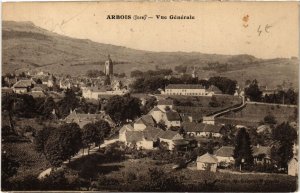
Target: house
pixel 82 119
pixel 263 128
pixel 173 119
pixel 225 155
pixel 141 123
pixel 23 86
pixel 157 114
pixel 202 130
pixel 65 84
pixel 141 139
pixel 123 130
pixel 169 137
pixel 51 81
pixel 262 154
pixel 97 92
pixel 165 104
pixel 207 162
pixel 293 167
pixel 135 139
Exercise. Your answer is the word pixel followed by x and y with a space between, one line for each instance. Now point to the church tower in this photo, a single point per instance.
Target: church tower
pixel 108 67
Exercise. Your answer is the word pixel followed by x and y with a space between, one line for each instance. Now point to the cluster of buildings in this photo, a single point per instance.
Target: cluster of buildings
pixel 40 83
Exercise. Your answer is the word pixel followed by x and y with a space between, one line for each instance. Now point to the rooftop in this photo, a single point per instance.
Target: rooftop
pixel 173 116
pixel 146 119
pixel 207 158
pixel 261 150
pixel 225 151
pixel 23 83
pixel 165 102
pixel 185 86
pixel 200 127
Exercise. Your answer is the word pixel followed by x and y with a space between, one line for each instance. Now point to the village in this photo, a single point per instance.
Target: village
pixel 212 125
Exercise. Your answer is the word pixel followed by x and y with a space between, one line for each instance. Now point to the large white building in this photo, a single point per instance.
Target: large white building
pixel 96 93
pixel 190 90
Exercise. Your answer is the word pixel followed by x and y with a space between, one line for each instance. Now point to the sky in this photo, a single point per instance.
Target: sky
pixel 262 29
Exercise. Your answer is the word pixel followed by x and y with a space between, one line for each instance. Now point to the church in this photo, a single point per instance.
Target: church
pixel 108 67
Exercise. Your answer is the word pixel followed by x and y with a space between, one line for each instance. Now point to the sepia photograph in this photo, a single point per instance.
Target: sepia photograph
pixel 150 96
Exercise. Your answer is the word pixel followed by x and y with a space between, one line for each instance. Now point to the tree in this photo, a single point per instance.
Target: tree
pixel 55 181
pixel 9 167
pixel 228 134
pixel 89 135
pixel 242 148
pixel 63 143
pixel 41 138
pixel 286 137
pixel 150 103
pixel 122 108
pixel 226 85
pixel 253 91
pixel 148 84
pixel 69 102
pixel 47 108
pixel 94 73
pixel 270 119
pixel 39 81
pixel 103 130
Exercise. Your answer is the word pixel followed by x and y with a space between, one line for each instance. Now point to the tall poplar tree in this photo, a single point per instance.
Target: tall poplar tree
pixel 243 151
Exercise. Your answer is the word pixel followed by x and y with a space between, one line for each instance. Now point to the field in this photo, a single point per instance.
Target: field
pixel 199 106
pixel 95 168
pixel 254 113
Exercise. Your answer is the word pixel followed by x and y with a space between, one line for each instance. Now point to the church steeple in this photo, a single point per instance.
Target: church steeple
pixel 108 67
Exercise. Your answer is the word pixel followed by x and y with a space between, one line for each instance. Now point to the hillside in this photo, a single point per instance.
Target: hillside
pixel 28 47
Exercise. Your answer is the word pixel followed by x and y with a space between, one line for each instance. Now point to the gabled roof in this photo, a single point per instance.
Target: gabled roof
pixel 126 127
pixel 168 134
pixel 43 86
pixel 225 151
pixel 156 109
pixel 207 158
pixel 190 126
pixel 173 116
pixel 38 94
pixel 185 86
pixel 200 127
pixel 37 89
pixel 261 150
pixel 23 84
pixel 211 128
pixel 134 136
pixel 165 102
pixel 146 120
pixel 151 133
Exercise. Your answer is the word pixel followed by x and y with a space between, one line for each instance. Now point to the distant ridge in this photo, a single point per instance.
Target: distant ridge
pixel 27 47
